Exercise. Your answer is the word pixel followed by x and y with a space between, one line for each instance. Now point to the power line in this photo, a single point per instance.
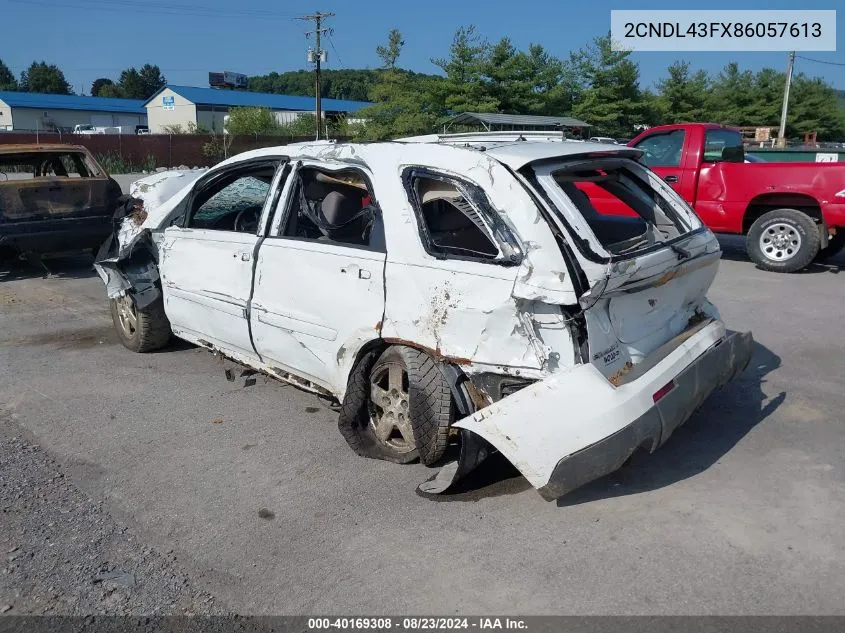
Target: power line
pixel 819 61
pixel 160 8
pixel 336 54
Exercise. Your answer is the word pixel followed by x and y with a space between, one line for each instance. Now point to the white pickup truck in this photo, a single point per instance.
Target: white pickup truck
pixel 453 300
pixel 85 128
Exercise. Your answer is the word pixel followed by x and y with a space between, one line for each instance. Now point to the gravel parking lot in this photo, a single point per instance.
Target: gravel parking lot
pixel 148 483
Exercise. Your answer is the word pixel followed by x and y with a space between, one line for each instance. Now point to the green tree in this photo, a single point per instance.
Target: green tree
pixel 252 121
pixel 465 88
pixel 405 104
pixel 683 97
pixel 612 99
pixel 7 79
pixel 41 77
pixel 528 82
pixel 814 107
pixel 334 84
pixel 390 53
pixel 766 98
pixel 111 90
pixel 141 84
pixel 99 84
pixel 732 98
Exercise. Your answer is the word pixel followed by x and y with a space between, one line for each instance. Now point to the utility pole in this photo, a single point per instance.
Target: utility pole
pixel 782 132
pixel 317 56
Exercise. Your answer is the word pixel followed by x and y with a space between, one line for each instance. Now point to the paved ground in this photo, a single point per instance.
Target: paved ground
pixel 262 505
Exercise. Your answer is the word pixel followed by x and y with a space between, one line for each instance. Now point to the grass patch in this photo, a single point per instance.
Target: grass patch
pixel 114 163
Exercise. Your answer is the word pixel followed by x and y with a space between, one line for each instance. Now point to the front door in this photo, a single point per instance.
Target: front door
pixel 206 265
pixel 319 283
pixel 663 152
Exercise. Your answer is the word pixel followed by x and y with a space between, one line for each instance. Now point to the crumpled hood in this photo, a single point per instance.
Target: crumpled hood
pixel 156 190
pixel 160 192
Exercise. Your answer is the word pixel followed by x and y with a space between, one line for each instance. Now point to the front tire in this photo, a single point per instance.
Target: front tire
pixel 783 241
pixel 140 330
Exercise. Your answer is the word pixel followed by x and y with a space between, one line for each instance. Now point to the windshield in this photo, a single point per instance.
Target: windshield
pixel 616 202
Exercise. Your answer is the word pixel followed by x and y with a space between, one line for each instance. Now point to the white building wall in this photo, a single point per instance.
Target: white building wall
pixel 159 116
pixel 289 116
pixel 32 119
pixel 5 116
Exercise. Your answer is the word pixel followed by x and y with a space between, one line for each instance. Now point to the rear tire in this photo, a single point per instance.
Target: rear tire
pixel 783 241
pixel 140 330
pixel 398 407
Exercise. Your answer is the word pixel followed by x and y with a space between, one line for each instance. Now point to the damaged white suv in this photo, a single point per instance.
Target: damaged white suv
pixel 546 300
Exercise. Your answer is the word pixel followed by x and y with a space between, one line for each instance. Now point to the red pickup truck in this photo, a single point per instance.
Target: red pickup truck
pixel 791 213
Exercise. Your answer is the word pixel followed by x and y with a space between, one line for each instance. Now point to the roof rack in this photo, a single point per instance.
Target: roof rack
pixel 497 137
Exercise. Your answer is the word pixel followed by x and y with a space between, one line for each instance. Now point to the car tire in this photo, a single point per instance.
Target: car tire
pixel 431 407
pixel 783 241
pixel 143 330
pixel 398 407
pixel 834 246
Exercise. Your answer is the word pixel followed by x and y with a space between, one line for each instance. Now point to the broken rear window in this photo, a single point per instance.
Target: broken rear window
pixel 457 221
pixel 621 206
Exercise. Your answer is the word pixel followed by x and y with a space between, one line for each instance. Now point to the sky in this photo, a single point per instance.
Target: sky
pixel 188 38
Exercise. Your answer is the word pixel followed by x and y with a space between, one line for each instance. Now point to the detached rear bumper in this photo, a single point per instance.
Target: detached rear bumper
pixel 574 427
pixel 713 369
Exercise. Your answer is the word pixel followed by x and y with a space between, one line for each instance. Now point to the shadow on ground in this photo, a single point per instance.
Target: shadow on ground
pixel 727 416
pixel 64 267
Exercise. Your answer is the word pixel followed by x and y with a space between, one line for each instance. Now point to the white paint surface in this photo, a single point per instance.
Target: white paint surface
pixel 312 305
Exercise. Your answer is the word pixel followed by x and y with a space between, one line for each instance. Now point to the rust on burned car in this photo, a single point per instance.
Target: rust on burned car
pixel 54 198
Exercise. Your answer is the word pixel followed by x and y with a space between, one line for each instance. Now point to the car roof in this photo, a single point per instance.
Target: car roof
pixel 517 155
pixel 514 154
pixel 44 147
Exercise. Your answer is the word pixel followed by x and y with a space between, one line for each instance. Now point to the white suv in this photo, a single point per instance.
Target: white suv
pixel 454 300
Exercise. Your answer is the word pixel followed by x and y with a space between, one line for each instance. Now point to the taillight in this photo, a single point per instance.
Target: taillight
pixel 665 389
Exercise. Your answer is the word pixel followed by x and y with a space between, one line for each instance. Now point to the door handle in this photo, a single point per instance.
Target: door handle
pixel 244 255
pixel 363 274
pixel 671 179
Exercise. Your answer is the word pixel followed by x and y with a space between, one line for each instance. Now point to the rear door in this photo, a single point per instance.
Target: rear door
pixel 206 264
pixel 319 281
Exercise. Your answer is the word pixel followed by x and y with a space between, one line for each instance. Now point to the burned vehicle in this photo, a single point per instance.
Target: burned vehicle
pixel 453 300
pixel 53 198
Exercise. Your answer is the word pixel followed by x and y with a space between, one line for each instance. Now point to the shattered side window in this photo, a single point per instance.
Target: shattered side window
pixel 233 205
pixel 456 221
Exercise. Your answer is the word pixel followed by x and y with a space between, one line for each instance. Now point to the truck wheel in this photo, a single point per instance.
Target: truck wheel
pixel 783 241
pixel 140 330
pixel 398 410
pixel 834 246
